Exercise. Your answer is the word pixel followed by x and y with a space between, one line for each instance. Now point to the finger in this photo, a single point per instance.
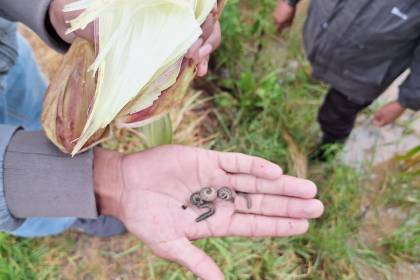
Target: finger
pixel 212 43
pixel 193 51
pixel 215 38
pixel 191 257
pixel 87 33
pixel 204 52
pixel 69 38
pixel 279 206
pixel 262 226
pixel 200 51
pixel 377 123
pixel 382 123
pixel 378 120
pixel 283 185
pixel 245 164
pixel 202 68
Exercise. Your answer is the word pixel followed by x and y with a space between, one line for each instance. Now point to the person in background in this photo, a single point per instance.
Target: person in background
pixel 359 48
pixel 101 192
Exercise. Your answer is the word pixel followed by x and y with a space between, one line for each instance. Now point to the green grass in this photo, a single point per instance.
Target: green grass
pixel 260 85
pixel 403 192
pixel 20 259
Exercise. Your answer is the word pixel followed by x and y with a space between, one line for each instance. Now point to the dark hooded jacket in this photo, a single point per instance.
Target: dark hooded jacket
pixel 360 47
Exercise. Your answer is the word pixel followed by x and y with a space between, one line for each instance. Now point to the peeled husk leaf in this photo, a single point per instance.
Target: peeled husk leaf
pixel 69 99
pixel 70 117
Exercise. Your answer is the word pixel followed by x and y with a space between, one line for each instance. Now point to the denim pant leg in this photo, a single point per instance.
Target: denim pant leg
pixel 21 96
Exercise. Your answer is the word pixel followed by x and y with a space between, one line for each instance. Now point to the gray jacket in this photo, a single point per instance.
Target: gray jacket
pixel 360 47
pixel 37 180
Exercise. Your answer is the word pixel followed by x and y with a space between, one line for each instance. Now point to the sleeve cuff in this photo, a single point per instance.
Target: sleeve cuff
pixel 7 221
pixel 409 98
pixel 41 181
pixel 35 15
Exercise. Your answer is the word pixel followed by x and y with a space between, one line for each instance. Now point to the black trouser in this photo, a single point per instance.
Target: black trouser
pixel 337 116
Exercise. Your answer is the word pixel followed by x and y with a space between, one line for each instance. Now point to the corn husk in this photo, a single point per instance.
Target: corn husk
pixel 138 74
pixel 69 99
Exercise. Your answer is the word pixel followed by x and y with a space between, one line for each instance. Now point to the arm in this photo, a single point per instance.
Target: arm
pixel 7 221
pixel 146 193
pixel 409 96
pixel 40 181
pixel 19 182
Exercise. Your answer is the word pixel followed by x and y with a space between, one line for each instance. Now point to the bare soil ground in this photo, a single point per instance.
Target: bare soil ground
pixel 380 221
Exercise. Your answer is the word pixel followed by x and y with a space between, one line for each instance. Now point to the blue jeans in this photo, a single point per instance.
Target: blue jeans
pixel 21 96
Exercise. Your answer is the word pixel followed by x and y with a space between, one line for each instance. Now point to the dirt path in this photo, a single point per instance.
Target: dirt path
pixel 377 145
pixel 379 222
pixel 369 147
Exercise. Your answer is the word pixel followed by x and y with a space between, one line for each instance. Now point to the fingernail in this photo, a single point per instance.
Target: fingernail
pixel 314 209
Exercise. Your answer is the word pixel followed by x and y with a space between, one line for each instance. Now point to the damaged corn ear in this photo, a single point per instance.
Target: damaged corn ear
pixel 137 75
pixel 69 98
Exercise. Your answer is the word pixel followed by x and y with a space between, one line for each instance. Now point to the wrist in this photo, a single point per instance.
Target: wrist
pixel 108 181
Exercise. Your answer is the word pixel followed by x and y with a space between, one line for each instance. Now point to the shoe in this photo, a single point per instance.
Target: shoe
pixel 103 226
pixel 326 151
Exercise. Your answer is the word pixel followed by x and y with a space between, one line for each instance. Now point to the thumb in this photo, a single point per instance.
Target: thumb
pixel 186 254
pixel 378 119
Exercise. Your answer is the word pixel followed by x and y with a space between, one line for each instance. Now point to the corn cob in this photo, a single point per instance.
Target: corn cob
pixel 70 117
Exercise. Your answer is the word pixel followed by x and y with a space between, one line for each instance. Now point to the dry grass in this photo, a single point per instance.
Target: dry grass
pixel 48 59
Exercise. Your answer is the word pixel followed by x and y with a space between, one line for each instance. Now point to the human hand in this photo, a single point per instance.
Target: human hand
pixel 60 19
pixel 208 42
pixel 388 114
pixel 284 15
pixel 146 192
pixel 199 52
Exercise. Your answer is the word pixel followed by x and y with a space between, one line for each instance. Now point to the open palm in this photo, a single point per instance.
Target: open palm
pixel 159 181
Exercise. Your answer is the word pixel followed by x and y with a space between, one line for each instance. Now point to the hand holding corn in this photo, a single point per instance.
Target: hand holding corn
pixel 199 52
pixel 135 66
pixel 146 192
